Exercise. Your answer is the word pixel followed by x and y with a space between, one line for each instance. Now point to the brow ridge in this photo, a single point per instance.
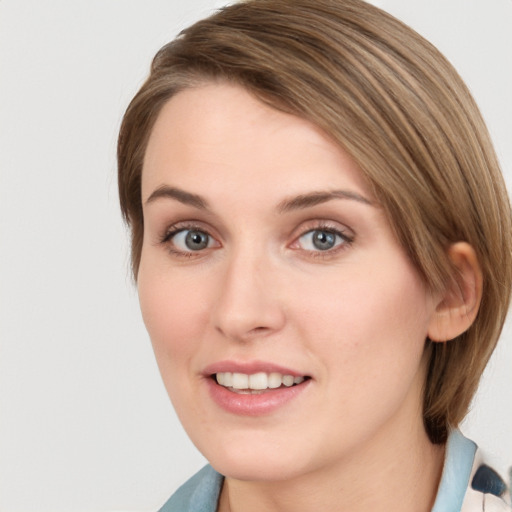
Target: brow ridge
pixel 304 201
pixel 184 197
pixel 299 202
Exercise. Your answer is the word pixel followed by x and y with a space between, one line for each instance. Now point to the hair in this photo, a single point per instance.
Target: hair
pixel 397 106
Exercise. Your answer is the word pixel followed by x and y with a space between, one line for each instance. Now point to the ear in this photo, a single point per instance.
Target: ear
pixel 458 306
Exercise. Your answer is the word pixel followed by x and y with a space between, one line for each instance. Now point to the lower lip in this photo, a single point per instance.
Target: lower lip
pixel 257 404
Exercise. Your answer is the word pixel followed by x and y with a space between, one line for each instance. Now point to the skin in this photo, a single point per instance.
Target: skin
pixel 353 318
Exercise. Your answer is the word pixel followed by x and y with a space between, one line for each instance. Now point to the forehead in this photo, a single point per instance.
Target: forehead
pixel 219 134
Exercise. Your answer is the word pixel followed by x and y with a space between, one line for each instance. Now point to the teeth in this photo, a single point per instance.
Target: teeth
pixel 256 381
pixel 228 379
pixel 275 380
pixel 240 381
pixel 288 380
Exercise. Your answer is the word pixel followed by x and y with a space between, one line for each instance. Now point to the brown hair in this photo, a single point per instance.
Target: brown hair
pixel 396 105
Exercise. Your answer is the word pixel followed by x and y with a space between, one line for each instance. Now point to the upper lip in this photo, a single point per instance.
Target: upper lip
pixel 250 368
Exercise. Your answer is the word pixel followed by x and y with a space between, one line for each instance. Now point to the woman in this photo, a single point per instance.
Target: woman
pixel 321 242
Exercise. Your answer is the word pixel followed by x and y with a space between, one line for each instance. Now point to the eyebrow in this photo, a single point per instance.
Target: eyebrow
pixel 299 202
pixel 304 201
pixel 179 195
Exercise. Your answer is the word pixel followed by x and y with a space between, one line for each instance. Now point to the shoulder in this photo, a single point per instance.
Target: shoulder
pixel 199 494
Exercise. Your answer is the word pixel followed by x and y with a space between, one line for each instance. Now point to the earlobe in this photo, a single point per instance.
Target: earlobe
pixel 458 307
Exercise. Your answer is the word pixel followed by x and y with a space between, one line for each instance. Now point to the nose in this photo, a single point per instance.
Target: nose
pixel 248 306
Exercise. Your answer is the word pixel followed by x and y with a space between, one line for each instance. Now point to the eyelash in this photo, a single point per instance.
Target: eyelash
pixel 324 227
pixel 346 239
pixel 168 236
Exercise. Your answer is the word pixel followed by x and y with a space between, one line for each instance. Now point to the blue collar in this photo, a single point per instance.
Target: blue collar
pixel 458 463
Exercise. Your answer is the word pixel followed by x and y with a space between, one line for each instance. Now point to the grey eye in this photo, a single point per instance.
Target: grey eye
pixel 323 240
pixel 320 240
pixel 191 240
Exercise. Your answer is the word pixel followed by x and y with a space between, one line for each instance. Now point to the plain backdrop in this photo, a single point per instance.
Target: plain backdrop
pixel 85 424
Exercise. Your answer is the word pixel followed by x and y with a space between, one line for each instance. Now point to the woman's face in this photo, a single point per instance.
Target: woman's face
pixel 266 262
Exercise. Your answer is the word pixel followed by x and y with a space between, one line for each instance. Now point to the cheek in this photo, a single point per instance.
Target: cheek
pixel 376 320
pixel 174 312
pixel 369 336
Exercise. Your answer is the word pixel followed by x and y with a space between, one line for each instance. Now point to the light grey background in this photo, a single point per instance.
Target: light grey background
pixel 85 424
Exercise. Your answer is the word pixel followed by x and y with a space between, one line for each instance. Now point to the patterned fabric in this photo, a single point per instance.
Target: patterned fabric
pixel 467 485
pixel 487 491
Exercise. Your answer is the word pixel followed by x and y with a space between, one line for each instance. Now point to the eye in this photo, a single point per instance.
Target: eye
pixel 322 240
pixel 190 240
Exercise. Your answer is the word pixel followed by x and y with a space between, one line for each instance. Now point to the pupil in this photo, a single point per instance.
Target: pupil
pixel 196 240
pixel 323 240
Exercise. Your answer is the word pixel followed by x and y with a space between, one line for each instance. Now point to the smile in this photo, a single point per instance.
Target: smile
pixel 256 382
pixel 254 388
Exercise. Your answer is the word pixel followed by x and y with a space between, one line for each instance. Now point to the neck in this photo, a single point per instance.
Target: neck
pixel 395 471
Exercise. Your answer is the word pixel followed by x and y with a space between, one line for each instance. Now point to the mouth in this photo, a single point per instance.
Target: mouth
pixel 255 388
pixel 256 383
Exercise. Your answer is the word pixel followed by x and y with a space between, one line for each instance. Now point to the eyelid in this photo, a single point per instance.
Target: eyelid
pixel 193 225
pixel 180 239
pixel 336 228
pixel 171 231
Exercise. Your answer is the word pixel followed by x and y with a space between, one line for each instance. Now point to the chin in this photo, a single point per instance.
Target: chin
pixel 257 468
pixel 257 457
